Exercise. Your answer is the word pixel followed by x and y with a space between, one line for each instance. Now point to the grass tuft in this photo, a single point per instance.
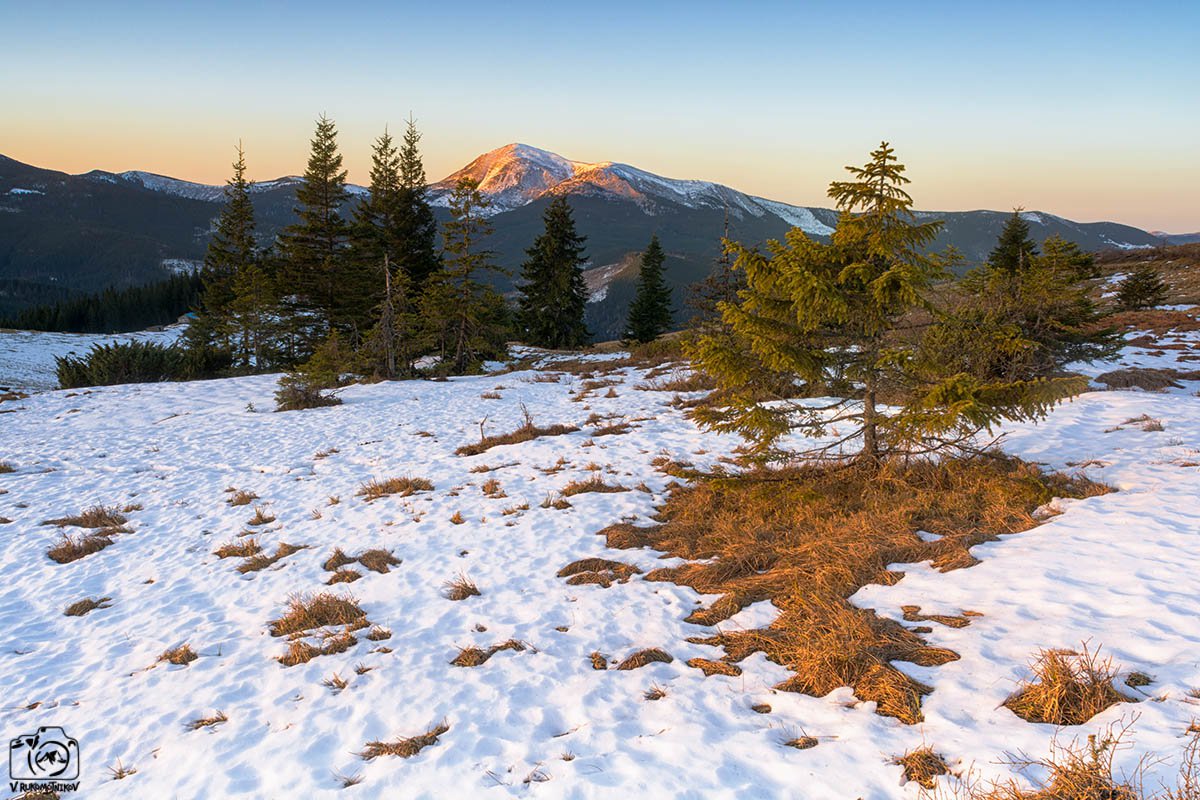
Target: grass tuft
pixel 405 748
pixel 207 722
pixel 180 656
pixel 460 588
pixel 69 548
pixel 923 766
pixel 1068 688
pixel 81 607
pixel 641 658
pixel 377 488
pixel 594 483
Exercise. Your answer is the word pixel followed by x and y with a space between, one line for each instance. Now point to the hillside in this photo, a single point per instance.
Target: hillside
pixel 73 233
pixel 171 667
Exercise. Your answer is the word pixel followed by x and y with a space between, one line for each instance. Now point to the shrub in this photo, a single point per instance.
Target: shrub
pixel 1141 288
pixel 120 362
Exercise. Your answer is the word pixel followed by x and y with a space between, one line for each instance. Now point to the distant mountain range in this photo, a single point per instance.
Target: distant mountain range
pixel 62 234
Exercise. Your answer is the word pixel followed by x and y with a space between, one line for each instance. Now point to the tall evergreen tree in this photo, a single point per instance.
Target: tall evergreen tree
pixel 375 238
pixel 393 344
pixel 815 316
pixel 466 315
pixel 313 249
pixel 1067 259
pixel 1014 250
pixel 254 319
pixel 232 247
pixel 416 228
pixel 721 285
pixel 650 312
pixel 553 293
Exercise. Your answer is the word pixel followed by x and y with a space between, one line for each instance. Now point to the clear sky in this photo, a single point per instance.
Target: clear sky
pixel 1090 110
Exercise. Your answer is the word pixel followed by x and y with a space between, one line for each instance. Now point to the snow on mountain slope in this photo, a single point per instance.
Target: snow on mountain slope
pixel 27 357
pixel 517 174
pixel 1118 569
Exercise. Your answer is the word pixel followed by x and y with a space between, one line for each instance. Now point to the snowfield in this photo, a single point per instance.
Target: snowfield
pixel 1120 570
pixel 27 357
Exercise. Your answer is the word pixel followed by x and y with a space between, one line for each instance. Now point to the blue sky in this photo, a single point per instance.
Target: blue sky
pixel 1089 110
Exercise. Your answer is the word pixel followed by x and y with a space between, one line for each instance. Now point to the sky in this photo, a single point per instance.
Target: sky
pixel 1089 110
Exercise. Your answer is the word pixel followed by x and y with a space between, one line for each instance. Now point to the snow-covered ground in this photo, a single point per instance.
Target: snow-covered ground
pixel 1121 570
pixel 27 357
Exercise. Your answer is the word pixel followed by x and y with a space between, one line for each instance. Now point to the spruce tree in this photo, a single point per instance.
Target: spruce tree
pixel 553 293
pixel 374 237
pixel 393 344
pixel 650 312
pixel 815 317
pixel 416 228
pixel 231 249
pixel 313 249
pixel 466 315
pixel 1067 259
pixel 1141 288
pixel 1014 249
pixel 721 285
pixel 254 315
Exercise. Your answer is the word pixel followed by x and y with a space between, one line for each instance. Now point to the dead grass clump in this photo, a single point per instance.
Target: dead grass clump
pixel 807 539
pixel 94 517
pixel 242 549
pixel 458 518
pixel 460 588
pixel 308 612
pixel 711 667
pixel 1146 378
pixel 594 483
pixel 492 488
pixel 922 765
pixel 801 742
pixel 81 607
pixel 405 748
pixel 598 659
pixel 180 656
pixel 70 548
pixel 1068 688
pixel 612 429
pixel 527 432
pixel 472 656
pixel 601 571
pixel 343 576
pixel 556 502
pixel 376 488
pixel 378 634
pixel 378 560
pixel 241 497
pixel 337 559
pixel 261 517
pixel 683 381
pixel 207 722
pixel 261 561
pixel 655 692
pixel 6 467
pixel 641 658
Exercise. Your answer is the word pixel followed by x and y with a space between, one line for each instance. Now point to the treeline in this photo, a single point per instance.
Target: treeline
pixel 115 310
pixel 372 288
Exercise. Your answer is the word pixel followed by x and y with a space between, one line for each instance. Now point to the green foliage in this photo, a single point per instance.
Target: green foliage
pixel 468 320
pixel 393 344
pixel 650 312
pixel 416 227
pixel 313 249
pixel 1022 323
pixel 232 247
pixel 310 385
pixel 120 362
pixel 115 310
pixel 1014 249
pixel 553 294
pixel 817 319
pixel 1141 288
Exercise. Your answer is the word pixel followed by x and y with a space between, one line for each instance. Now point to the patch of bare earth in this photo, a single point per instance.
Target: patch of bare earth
pixel 807 539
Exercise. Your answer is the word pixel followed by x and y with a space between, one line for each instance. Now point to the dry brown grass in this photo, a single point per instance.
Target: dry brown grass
pixel 651 655
pixel 378 560
pixel 120 772
pixel 922 765
pixel 261 517
pixel 207 722
pixel 598 659
pixel 241 497
pixel 243 549
pixel 527 432
pixel 1146 378
pixel 343 576
pixel 807 539
pixel 1068 688
pixel 70 548
pixel 601 571
pixel 594 483
pixel 94 517
pixel 689 380
pixel 802 742
pixel 181 656
pixel 460 588
pixel 6 467
pixel 308 612
pixel 655 692
pixel 261 561
pixel 81 607
pixel 376 488
pixel 492 488
pixel 711 667
pixel 378 634
pixel 472 656
pixel 405 748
